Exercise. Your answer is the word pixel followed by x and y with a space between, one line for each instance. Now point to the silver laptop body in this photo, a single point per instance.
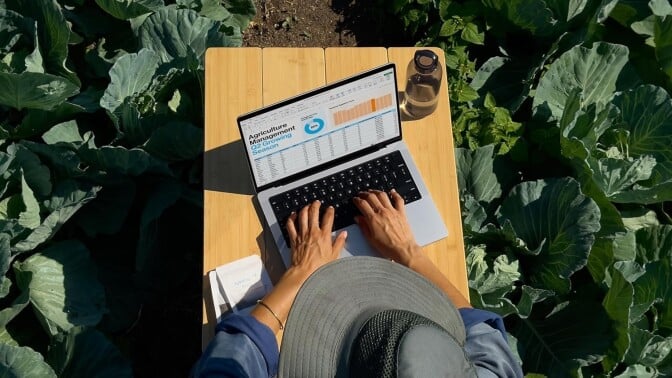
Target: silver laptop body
pixel 325 131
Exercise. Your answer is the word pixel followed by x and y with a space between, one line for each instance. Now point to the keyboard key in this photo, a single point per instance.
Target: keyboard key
pixel 383 173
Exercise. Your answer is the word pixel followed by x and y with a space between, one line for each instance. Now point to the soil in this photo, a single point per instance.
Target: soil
pixel 306 23
pixel 296 23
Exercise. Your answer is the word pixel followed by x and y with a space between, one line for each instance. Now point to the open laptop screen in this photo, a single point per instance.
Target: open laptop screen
pixel 322 126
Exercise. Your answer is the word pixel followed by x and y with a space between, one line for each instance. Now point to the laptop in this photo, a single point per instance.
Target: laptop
pixel 329 144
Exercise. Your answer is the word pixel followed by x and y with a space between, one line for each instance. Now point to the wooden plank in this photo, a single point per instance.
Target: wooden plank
pixel 290 71
pixel 430 141
pixel 347 61
pixel 232 86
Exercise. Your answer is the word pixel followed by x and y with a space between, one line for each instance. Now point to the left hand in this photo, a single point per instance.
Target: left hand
pixel 311 243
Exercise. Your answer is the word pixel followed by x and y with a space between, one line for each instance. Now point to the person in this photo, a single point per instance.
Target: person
pixel 360 316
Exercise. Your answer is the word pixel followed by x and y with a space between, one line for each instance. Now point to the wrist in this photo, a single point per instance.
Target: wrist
pixel 409 254
pixel 297 274
pixel 415 259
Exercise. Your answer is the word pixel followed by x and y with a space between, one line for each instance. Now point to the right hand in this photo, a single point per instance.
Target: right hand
pixel 384 224
pixel 310 239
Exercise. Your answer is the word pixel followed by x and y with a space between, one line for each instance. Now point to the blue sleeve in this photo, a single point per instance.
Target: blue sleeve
pixel 486 344
pixel 242 347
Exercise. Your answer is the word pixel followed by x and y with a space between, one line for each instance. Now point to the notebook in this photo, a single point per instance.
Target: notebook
pixel 238 285
pixel 329 144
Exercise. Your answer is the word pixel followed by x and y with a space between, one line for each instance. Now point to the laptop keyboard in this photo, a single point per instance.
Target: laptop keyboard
pixel 383 173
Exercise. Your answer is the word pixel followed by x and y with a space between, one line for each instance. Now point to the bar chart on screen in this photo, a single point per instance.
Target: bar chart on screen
pixel 362 109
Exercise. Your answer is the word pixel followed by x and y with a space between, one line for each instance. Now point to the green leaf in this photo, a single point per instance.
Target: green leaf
pixel 67 198
pixel 471 34
pixel 131 162
pixel 529 296
pixel 564 340
pixel 450 26
pixel 509 80
pixel 176 141
pixel 6 338
pixel 646 113
pixel 558 224
pixel 615 176
pixel 647 348
pixel 124 9
pixel 624 246
pixel 242 12
pixel 19 303
pixel 30 215
pixel 637 218
pixel 87 353
pixel 660 7
pixel 594 71
pixel 11 207
pixel 35 173
pixel 473 214
pixel 18 361
pixel 532 16
pixel 646 118
pixel 66 132
pixel 567 10
pixel 182 33
pixel 34 90
pixel 14 27
pixel 653 243
pixel 638 371
pixel 53 34
pixel 481 174
pixel 617 303
pixel 61 157
pixel 129 76
pixel 490 279
pixel 5 259
pixel 662 38
pixel 63 287
pixel 652 294
pixel 38 121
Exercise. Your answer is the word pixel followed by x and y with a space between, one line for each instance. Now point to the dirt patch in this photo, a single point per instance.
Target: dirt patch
pixel 298 23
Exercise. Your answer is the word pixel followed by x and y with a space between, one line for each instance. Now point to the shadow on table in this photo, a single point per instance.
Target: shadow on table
pixel 225 169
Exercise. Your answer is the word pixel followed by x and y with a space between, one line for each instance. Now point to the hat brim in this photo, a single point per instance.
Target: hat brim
pixel 339 297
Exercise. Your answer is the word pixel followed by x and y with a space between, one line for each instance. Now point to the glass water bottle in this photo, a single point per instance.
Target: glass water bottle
pixel 422 84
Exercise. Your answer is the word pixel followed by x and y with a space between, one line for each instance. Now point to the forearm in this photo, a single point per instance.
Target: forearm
pixel 280 299
pixel 421 264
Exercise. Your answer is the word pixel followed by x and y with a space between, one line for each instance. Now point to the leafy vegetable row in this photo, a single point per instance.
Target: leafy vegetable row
pixel 564 116
pixel 101 114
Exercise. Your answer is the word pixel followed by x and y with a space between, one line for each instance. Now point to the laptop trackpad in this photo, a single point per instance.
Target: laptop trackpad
pixel 356 244
pixel 425 221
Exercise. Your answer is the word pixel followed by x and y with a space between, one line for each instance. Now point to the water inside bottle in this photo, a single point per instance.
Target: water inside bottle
pixel 421 98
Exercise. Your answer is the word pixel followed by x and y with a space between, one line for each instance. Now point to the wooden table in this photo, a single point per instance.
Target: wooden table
pixel 238 80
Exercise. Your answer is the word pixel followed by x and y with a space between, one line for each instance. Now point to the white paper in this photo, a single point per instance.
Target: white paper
pixel 243 282
pixel 218 300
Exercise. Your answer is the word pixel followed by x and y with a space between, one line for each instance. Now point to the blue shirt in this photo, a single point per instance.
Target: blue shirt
pixel 244 347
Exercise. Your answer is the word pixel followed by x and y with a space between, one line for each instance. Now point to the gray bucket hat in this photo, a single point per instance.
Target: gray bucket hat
pixel 362 313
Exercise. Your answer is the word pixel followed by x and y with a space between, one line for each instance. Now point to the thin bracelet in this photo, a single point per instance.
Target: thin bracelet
pixel 272 313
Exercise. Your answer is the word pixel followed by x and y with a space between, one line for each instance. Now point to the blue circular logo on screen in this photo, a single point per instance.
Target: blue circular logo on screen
pixel 314 126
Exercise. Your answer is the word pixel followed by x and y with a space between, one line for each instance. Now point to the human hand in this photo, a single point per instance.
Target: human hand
pixel 311 243
pixel 384 224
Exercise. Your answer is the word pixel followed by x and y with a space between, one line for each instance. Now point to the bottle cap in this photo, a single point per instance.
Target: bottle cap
pixel 425 61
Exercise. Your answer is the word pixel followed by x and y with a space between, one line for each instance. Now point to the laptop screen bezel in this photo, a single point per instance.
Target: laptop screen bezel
pixel 317 91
